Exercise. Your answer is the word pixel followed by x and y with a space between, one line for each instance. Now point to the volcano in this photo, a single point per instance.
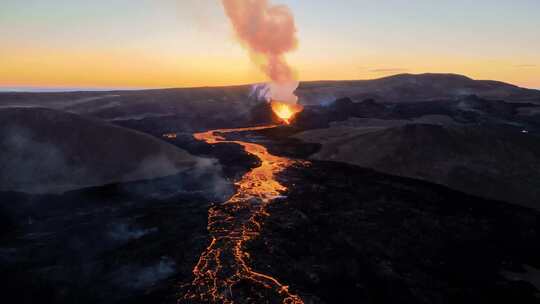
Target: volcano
pixel 378 201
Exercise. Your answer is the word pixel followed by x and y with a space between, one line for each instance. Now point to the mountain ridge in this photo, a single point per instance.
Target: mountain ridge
pixel 249 85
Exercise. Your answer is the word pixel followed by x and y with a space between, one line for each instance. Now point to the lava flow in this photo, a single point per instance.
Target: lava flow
pixel 224 265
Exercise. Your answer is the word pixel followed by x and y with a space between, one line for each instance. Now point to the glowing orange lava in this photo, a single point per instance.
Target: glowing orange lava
pixel 286 111
pixel 224 264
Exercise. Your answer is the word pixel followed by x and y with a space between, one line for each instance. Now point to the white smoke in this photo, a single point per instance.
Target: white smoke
pixel 283 92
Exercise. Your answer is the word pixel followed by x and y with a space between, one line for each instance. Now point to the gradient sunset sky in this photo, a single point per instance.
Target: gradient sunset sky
pixel 183 43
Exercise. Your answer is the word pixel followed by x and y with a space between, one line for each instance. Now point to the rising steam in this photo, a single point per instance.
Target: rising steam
pixel 269 32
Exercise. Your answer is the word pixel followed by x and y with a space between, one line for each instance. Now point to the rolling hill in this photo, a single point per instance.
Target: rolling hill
pixel 46 150
pixel 487 160
pixel 411 87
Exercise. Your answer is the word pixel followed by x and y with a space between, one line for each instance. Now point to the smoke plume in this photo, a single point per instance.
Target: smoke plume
pixel 269 32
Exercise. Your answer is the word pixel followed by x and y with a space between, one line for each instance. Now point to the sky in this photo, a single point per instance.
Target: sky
pixel 186 43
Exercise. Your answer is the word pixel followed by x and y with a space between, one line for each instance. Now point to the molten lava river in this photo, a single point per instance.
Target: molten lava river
pixel 224 265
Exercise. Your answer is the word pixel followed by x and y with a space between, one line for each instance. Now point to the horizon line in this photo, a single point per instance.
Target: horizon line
pixel 75 89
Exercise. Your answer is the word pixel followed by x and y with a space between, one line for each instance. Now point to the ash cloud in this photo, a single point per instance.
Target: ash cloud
pixel 268 31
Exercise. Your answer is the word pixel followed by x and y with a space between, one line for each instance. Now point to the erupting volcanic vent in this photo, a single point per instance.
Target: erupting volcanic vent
pixel 269 32
pixel 285 111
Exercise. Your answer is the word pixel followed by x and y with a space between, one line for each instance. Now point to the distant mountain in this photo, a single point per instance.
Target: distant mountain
pixel 124 105
pixel 221 105
pixel 45 150
pixel 411 87
pixel 151 111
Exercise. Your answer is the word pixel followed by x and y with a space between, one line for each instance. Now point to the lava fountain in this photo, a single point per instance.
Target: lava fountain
pixel 285 111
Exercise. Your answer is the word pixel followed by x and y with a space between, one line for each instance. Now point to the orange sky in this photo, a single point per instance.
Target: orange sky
pixel 169 43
